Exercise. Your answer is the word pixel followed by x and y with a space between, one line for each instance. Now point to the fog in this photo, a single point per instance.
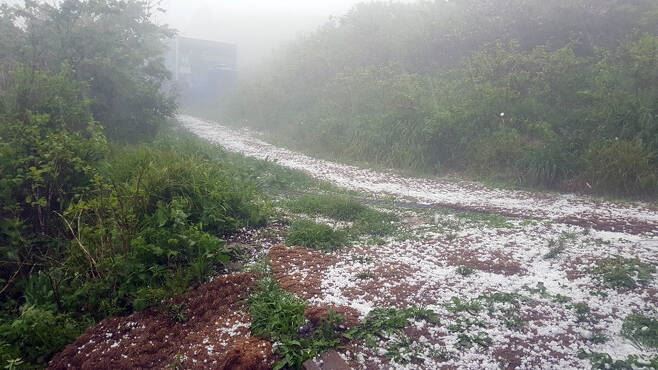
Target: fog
pixel 258 27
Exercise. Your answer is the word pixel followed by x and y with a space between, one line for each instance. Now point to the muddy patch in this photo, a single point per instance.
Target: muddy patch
pixel 205 328
pixel 300 270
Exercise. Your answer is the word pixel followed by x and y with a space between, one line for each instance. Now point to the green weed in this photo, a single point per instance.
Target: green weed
pixel 624 273
pixel 365 275
pixel 505 307
pixel 469 333
pixel 176 312
pixel 337 207
pixel 603 361
pixel 389 324
pixel 598 338
pixel 642 330
pixel 279 316
pixel 457 305
pixel 559 245
pixel 38 334
pixel 312 235
pixel 465 271
pixel 340 207
pixel 583 312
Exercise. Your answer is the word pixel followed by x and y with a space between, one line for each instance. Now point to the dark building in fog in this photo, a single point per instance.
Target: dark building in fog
pixel 202 70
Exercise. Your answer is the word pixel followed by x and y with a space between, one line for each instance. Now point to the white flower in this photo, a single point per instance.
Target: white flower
pixel 502 114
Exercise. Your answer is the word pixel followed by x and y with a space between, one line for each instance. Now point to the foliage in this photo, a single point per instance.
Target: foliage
pixel 113 46
pixel 336 207
pixel 465 271
pixel 275 313
pixel 388 324
pixel 366 220
pixel 279 316
pixel 623 165
pixel 312 235
pixel 603 361
pixel 546 94
pixel 91 228
pixel 557 246
pixel 642 330
pixel 38 333
pixel 624 273
pixel 146 226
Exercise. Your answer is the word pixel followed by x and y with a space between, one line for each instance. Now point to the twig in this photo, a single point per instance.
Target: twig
pixel 84 249
pixel 11 280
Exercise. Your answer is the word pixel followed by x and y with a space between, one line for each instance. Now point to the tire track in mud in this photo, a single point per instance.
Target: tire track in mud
pixel 569 209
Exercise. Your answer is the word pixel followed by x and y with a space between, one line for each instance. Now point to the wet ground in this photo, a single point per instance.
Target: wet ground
pixel 518 279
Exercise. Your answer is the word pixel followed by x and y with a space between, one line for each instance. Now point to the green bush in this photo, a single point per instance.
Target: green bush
pixel 622 166
pixel 109 233
pixel 156 229
pixel 508 101
pixel 39 333
pixel 548 165
pixel 495 154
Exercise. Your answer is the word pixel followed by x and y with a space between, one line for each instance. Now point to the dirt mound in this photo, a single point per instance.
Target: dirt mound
pixel 205 328
pixel 248 354
pixel 317 315
pixel 300 270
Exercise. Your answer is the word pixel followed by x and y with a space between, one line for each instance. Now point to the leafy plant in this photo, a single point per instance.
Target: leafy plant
pixel 507 307
pixel 555 248
pixel 603 361
pixel 39 333
pixel 279 316
pixel 387 323
pixel 583 312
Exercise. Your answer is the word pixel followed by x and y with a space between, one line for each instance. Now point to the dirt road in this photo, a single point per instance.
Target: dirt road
pixel 568 209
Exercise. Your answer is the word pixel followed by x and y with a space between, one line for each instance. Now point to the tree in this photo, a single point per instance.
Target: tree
pixel 112 46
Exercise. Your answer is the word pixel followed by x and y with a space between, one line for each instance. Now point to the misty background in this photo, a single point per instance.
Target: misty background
pixel 257 27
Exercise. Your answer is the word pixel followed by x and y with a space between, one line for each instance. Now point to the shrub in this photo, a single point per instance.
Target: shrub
pixel 623 167
pixel 39 333
pixel 548 165
pixel 156 229
pixel 140 227
pixel 497 153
